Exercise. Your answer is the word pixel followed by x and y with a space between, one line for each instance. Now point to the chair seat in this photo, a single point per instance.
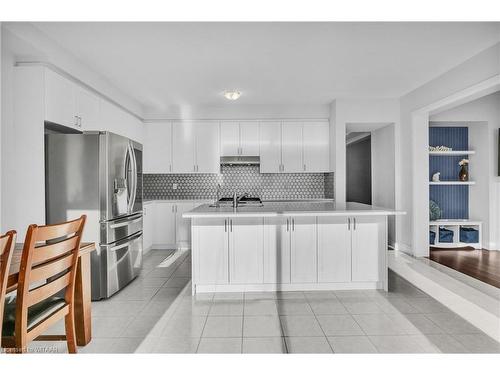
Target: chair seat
pixel 36 313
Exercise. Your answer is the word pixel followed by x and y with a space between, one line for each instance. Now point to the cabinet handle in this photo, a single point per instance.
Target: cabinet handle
pixel 76 121
pixel 348 223
pixel 79 121
pixel 304 167
pixel 231 224
pixel 225 225
pixel 170 168
pixel 354 223
pixel 293 224
pixel 287 225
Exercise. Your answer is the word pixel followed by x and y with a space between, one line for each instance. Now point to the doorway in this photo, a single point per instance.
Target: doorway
pixel 371 167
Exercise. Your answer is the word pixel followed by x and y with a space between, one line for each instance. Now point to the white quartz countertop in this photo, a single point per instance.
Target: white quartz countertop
pixel 273 209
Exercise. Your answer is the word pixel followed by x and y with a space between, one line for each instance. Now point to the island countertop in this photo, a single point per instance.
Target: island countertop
pixel 275 209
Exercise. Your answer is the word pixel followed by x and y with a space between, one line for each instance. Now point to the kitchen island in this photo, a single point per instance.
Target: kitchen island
pixel 289 246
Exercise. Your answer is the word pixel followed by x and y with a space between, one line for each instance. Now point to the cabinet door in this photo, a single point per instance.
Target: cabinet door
pixel 158 148
pixel 277 250
pixel 183 144
pixel 164 225
pixel 303 250
pixel 270 146
pixel 207 147
pixel 334 250
pixel 249 138
pixel 87 109
pixel 368 243
pixel 60 100
pixel 210 247
pixel 291 147
pixel 316 146
pixel 148 225
pixel 182 225
pixel 229 138
pixel 246 250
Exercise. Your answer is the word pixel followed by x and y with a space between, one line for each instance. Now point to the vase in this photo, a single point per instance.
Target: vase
pixel 464 173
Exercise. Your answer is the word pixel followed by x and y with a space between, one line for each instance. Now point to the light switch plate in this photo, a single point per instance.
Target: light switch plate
pixel 174 186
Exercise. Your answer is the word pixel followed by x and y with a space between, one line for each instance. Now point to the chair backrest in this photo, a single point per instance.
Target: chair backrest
pixel 49 258
pixel 7 244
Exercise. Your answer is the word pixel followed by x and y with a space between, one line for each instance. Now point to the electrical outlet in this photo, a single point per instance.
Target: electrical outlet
pixel 174 186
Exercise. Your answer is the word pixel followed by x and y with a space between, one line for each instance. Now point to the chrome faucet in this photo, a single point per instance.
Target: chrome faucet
pixel 236 199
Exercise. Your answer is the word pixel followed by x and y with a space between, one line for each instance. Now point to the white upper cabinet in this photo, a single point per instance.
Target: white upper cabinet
pixel 291 147
pixel 158 147
pixel 70 105
pixel 316 141
pixel 270 146
pixel 60 100
pixel 229 138
pixel 249 138
pixel 239 138
pixel 207 147
pixel 183 147
pixel 87 109
pixel 294 146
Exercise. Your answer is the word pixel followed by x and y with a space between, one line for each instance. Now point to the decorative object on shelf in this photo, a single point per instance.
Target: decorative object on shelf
pixel 463 175
pixel 435 177
pixel 439 148
pixel 434 211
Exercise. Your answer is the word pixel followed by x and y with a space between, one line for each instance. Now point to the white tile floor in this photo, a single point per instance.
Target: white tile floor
pixel 157 314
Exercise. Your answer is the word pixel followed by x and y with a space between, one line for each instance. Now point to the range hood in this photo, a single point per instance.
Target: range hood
pixel 240 160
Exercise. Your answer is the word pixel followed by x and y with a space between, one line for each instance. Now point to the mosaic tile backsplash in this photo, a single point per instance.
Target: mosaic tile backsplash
pixel 242 179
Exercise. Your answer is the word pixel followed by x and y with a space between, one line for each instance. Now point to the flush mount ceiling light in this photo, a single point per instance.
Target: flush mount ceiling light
pixel 232 94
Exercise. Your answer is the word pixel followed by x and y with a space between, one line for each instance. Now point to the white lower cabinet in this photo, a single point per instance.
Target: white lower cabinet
pixel 277 250
pixel 303 250
pixel 164 225
pixel 246 250
pixel 334 249
pixel 367 240
pixel 211 252
pixel 148 221
pixel 182 226
pixel 289 253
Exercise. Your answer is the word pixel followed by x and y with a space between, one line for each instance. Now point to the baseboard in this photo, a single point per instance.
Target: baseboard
pixel 285 287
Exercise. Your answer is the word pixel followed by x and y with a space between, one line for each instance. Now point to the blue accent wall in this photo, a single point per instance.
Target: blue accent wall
pixel 452 199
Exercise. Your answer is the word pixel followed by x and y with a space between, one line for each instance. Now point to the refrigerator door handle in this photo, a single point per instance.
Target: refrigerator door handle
pixel 133 177
pixel 121 245
pixel 125 223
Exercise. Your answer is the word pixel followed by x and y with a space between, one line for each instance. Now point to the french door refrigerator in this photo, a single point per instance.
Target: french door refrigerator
pixel 99 174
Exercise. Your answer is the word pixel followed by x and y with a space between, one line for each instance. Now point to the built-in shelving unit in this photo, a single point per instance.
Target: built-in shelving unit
pixel 450 194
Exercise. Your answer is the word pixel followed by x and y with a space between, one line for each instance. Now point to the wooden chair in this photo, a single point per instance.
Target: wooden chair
pixel 7 244
pixel 49 258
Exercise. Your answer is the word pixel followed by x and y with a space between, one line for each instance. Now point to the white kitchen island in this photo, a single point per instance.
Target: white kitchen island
pixel 289 246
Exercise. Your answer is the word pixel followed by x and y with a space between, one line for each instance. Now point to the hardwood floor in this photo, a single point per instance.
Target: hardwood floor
pixel 483 265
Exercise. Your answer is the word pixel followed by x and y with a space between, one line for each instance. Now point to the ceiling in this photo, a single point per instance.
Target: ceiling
pixel 163 65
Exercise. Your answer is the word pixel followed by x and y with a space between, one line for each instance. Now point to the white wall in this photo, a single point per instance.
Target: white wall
pixel 383 172
pixel 412 228
pixel 482 116
pixel 241 111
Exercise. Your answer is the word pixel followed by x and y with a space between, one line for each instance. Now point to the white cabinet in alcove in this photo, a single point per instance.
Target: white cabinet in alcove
pixel 291 147
pixel 316 143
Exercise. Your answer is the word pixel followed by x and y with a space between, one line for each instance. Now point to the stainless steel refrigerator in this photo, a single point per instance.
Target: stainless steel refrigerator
pixel 99 174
